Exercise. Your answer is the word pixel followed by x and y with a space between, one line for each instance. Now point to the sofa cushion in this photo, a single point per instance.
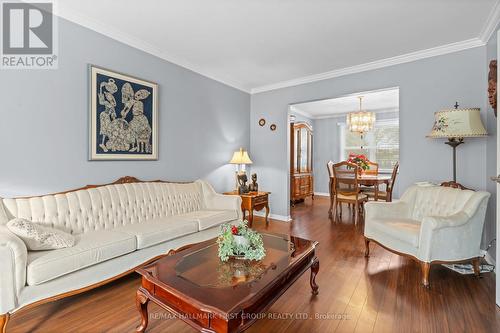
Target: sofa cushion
pixel 160 230
pixel 90 248
pixel 405 230
pixel 209 218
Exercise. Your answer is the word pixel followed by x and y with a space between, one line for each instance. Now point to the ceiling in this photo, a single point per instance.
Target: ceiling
pixel 258 45
pixel 376 101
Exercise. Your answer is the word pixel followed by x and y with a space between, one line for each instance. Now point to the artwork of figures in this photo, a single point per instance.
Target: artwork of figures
pixel 123 111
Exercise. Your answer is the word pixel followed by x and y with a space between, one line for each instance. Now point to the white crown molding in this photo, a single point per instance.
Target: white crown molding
pixel 106 30
pixel 409 57
pixel 491 23
pixel 300 112
pixel 343 114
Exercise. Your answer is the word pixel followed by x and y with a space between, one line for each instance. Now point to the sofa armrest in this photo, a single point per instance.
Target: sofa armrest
pixel 225 202
pixel 452 238
pixel 382 210
pixel 214 200
pixel 13 259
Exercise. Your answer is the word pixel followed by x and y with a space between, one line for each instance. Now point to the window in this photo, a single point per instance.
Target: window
pixel 380 145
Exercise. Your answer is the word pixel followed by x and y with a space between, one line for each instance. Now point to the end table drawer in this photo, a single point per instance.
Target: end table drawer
pixel 260 199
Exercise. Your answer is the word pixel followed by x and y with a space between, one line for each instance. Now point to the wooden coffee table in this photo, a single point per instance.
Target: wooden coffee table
pixel 213 296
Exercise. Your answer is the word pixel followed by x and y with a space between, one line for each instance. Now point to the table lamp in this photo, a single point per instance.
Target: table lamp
pixel 455 125
pixel 240 159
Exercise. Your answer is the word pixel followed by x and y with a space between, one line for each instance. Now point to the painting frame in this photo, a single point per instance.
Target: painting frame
pixel 145 150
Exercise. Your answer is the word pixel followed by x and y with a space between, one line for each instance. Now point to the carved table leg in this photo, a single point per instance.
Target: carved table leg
pixel 426 268
pixel 267 214
pixel 141 301
pixel 4 319
pixel 314 272
pixel 477 268
pixel 367 247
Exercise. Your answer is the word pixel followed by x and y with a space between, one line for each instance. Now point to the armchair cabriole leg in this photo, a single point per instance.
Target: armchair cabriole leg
pixel 4 319
pixel 426 269
pixel 367 247
pixel 477 268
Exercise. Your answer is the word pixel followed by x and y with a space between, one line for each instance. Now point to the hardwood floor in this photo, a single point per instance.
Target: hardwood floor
pixel 381 294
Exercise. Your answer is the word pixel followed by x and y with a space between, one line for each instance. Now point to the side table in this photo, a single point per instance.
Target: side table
pixel 253 201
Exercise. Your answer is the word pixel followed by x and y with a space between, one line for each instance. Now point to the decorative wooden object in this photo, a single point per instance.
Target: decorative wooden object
pixel 191 284
pixel 301 168
pixel 492 86
pixel 253 201
pixel 426 266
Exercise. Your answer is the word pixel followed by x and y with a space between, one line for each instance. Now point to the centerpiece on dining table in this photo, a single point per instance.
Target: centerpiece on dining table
pixel 240 242
pixel 360 160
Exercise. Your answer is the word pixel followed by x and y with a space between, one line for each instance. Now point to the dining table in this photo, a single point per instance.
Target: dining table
pixel 368 180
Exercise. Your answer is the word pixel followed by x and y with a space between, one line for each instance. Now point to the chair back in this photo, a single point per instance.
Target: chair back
pixel 329 167
pixel 345 177
pixel 393 177
pixel 373 170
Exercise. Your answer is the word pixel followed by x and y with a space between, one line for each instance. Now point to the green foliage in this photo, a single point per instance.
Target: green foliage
pixel 254 250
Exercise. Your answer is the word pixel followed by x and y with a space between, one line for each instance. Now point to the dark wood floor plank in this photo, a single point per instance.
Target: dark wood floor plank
pixel 378 294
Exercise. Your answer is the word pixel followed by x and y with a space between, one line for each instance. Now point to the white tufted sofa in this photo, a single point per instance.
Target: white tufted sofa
pixel 117 228
pixel 430 224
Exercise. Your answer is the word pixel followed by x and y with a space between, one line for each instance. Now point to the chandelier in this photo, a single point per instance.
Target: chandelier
pixel 361 121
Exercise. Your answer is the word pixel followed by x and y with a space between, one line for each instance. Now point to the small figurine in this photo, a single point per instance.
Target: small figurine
pixel 254 187
pixel 242 181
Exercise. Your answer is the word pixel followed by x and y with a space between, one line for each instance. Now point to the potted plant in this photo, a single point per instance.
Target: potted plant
pixel 360 160
pixel 240 242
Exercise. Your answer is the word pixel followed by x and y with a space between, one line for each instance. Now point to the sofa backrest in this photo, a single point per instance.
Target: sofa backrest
pixel 436 200
pixel 107 206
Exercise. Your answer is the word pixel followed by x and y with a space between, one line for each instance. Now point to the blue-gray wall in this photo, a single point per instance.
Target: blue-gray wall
pixel 491 153
pixel 44 117
pixel 426 86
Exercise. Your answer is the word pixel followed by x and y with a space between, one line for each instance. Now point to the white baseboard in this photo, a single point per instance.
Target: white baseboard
pixel 274 216
pixel 322 194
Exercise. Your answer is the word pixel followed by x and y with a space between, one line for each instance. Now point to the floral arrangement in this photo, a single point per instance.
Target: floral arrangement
pixel 360 160
pixel 241 242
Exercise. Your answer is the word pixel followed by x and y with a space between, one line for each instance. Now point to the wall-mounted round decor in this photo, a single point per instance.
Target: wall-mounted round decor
pixel 262 121
pixel 273 127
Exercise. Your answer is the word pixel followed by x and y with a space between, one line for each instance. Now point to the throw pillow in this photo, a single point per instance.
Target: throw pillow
pixel 37 237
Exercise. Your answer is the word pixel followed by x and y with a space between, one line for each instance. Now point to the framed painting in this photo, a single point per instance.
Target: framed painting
pixel 123 117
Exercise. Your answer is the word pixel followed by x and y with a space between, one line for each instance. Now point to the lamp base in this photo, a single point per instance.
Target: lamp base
pixel 454 143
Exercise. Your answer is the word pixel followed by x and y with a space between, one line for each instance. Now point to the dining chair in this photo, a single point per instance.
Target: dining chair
pixel 373 170
pixel 329 167
pixel 387 194
pixel 346 189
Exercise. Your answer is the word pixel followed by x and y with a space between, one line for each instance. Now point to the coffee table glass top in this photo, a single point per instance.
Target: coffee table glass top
pixel 198 273
pixel 204 268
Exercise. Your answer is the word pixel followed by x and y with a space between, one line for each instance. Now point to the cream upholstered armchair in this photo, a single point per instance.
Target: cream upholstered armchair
pixel 429 224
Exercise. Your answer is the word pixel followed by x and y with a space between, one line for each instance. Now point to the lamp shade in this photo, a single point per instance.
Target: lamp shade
pixel 458 123
pixel 240 157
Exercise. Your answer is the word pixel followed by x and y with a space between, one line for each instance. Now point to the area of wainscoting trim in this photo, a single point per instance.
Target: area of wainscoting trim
pixel 274 216
pixel 322 194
